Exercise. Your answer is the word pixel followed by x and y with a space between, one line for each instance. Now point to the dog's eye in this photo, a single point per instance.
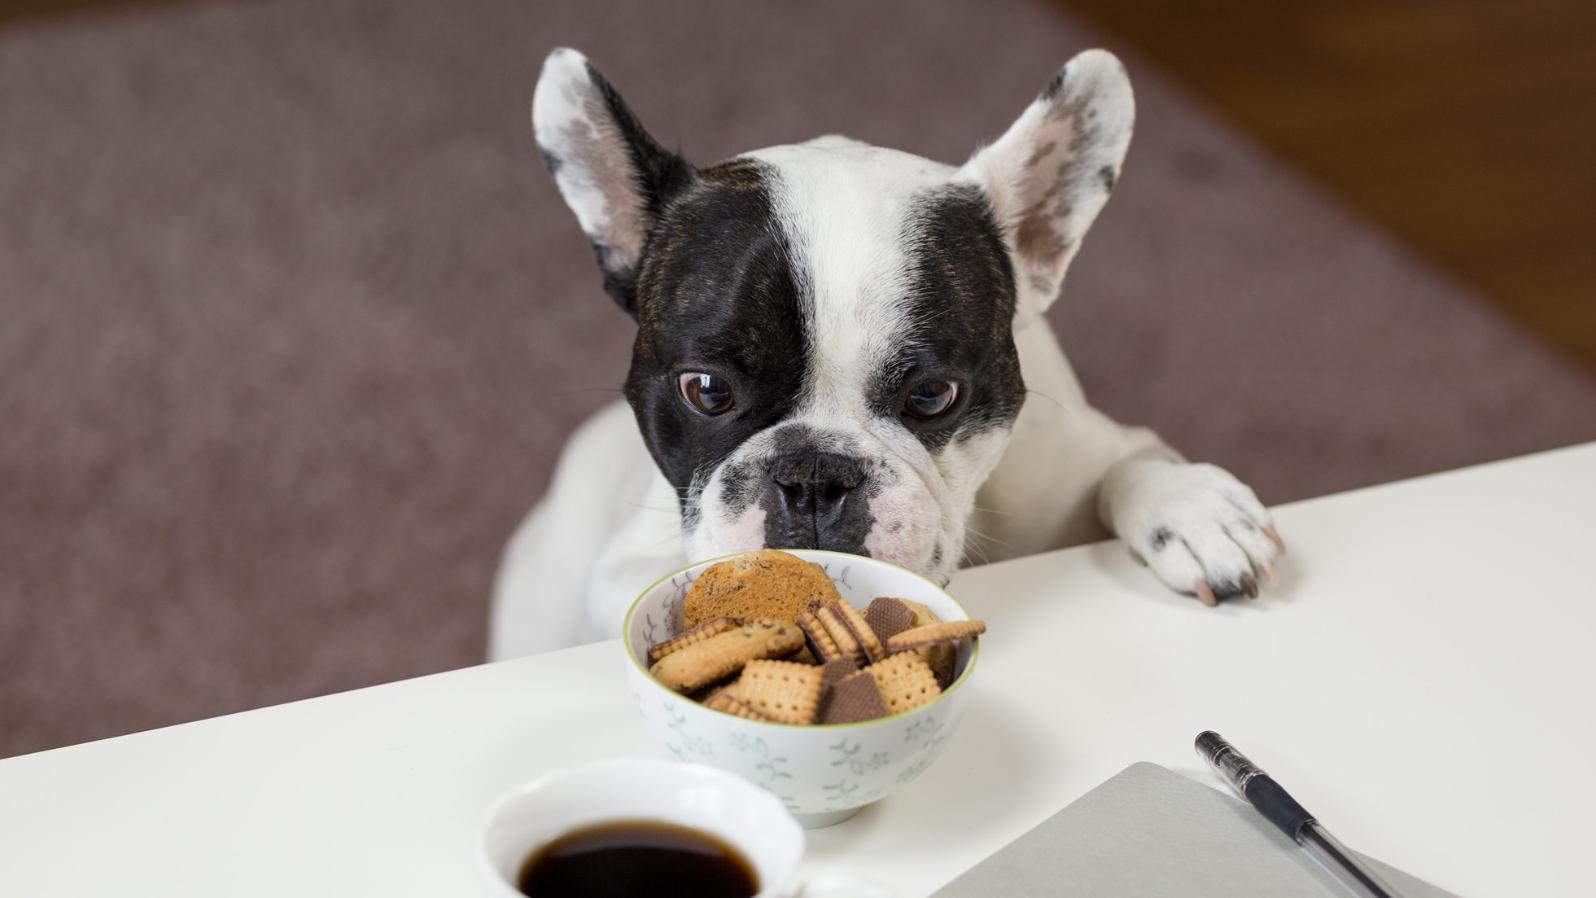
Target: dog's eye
pixel 931 398
pixel 707 393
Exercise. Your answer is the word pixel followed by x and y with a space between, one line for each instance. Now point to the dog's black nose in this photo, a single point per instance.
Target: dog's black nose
pixel 812 490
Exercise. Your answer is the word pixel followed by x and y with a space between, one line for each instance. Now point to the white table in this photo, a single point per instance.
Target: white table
pixel 1422 679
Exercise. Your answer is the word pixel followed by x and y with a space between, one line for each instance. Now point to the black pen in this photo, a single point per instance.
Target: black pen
pixel 1262 792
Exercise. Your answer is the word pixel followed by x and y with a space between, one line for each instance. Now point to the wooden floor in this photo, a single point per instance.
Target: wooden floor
pixel 14 11
pixel 1467 128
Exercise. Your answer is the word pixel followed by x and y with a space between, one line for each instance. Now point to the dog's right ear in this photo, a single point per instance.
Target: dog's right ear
pixel 1051 172
pixel 613 175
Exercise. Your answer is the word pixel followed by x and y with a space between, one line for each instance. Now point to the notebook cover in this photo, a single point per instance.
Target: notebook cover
pixel 1148 833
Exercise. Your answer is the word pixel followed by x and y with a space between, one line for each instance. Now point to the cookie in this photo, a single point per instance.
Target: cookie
pixel 935 634
pixel 819 642
pixel 720 656
pixel 905 681
pixel 781 690
pixel 888 617
pixel 854 699
pixel 869 643
pixel 726 703
pixel 714 692
pixel 835 670
pixel 697 634
pixel 768 584
pixel 832 673
pixel 837 628
pixel 941 657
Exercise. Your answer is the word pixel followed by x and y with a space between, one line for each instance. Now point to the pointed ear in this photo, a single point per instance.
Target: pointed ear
pixel 613 175
pixel 1050 173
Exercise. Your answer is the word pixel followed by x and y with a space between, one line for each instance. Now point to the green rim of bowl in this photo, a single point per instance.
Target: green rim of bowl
pixel 975 644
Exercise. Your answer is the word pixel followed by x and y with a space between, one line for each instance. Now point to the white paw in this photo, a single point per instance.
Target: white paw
pixel 1202 531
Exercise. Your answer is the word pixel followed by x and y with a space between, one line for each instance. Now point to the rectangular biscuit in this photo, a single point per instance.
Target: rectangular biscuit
pixel 722 655
pixel 819 641
pixel 705 696
pixel 688 637
pixel 853 699
pixel 781 690
pixel 832 673
pixel 869 643
pixel 888 617
pixel 726 703
pixel 905 681
pixel 836 626
pixel 941 656
pixel 935 634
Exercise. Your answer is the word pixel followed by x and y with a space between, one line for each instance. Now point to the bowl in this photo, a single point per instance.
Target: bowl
pixel 822 774
pixel 628 789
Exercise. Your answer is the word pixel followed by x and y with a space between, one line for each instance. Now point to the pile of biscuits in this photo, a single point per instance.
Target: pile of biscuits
pixel 768 637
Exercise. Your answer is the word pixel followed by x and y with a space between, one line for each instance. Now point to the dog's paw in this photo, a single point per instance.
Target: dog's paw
pixel 1202 531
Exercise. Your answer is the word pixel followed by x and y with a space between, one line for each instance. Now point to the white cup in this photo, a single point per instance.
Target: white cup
pixel 692 795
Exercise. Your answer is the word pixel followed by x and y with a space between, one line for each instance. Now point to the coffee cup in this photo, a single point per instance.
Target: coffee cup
pixel 685 799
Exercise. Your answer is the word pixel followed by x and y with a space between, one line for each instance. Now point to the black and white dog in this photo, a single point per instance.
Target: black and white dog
pixel 835 344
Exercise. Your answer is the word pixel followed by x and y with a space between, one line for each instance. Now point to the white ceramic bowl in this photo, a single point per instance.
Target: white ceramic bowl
pixel 822 774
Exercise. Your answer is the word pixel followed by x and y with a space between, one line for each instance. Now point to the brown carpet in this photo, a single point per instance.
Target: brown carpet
pixel 292 321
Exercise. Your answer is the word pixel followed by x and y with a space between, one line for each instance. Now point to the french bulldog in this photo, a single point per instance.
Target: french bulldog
pixel 842 346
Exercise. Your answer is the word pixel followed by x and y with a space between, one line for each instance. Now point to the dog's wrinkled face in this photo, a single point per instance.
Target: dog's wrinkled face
pixel 825 353
pixel 834 367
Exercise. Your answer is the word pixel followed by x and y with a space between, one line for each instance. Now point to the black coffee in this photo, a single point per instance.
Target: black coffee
pixel 637 859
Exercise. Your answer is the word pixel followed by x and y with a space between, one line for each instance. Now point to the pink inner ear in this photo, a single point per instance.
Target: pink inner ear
pixel 596 149
pixel 1043 247
pixel 1051 172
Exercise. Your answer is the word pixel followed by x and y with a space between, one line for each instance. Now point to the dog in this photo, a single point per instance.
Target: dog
pixel 841 346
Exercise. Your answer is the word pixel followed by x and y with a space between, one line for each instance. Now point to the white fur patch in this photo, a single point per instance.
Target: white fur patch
pixel 1194 524
pixel 843 205
pixel 719 533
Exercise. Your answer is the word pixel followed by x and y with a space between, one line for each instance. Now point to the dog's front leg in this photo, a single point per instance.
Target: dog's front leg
pixel 1201 530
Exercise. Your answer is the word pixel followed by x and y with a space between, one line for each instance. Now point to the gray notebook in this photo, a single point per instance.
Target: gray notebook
pixel 1148 833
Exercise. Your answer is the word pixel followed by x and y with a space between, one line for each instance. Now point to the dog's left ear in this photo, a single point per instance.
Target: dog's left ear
pixel 1050 173
pixel 612 173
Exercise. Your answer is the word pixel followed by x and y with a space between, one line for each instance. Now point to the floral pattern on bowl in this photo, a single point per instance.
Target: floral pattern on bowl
pixel 823 774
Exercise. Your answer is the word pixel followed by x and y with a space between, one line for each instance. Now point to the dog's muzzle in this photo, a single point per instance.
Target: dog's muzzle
pixel 816 500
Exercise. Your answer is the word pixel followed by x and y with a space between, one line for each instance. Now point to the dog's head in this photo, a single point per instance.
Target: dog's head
pixel 825 353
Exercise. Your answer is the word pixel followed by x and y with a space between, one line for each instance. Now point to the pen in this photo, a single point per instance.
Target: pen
pixel 1262 792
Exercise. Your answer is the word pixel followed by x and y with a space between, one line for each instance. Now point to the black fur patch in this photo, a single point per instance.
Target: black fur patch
pixel 1161 538
pixel 715 293
pixel 552 161
pixel 961 303
pixel 1055 85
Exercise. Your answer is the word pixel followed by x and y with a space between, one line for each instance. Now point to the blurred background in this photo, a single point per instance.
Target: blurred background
pixel 293 323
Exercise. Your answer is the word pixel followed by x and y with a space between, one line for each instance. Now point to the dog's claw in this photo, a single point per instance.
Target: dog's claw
pixel 1205 593
pixel 1274 537
pixel 1249 584
pixel 1268 571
